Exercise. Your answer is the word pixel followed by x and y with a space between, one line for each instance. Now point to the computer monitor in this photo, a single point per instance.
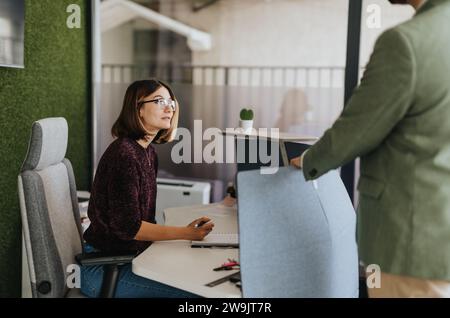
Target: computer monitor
pixel 293 149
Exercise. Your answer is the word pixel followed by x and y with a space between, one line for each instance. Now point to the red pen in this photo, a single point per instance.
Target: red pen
pixel 227 266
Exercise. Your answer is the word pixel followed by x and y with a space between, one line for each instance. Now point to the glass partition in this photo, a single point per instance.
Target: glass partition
pixel 284 59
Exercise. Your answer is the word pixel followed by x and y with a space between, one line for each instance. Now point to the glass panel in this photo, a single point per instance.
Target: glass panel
pixel 284 59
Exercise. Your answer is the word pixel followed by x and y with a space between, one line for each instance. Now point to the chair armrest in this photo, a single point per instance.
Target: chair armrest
pixel 100 258
pixel 110 268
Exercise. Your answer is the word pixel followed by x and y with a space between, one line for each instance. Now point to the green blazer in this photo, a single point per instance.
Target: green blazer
pixel 398 123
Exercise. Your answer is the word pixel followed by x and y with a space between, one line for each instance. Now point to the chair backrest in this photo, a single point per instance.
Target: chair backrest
pixel 49 208
pixel 297 238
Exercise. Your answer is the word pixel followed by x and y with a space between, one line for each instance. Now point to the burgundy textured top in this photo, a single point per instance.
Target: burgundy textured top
pixel 122 196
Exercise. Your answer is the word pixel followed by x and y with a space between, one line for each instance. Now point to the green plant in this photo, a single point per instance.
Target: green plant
pixel 246 114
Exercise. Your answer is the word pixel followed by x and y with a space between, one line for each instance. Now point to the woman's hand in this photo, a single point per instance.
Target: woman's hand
pixel 229 201
pixel 199 228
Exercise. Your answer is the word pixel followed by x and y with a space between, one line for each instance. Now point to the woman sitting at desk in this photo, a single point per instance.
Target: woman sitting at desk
pixel 122 204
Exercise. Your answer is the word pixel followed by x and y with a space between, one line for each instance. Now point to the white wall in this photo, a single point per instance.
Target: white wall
pixel 282 32
pixel 117 45
pixel 266 32
pixel 391 15
pixel 256 32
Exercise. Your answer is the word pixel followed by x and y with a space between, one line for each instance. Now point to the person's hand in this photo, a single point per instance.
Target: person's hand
pixel 199 228
pixel 229 201
pixel 296 162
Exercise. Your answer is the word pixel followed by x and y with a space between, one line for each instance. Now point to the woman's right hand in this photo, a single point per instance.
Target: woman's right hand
pixel 199 228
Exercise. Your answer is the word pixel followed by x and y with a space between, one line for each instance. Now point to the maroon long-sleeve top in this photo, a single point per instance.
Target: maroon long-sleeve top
pixel 122 196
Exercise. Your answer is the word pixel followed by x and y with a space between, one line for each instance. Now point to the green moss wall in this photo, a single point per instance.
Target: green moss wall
pixel 54 82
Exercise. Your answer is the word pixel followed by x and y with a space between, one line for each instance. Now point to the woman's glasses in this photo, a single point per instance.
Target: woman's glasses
pixel 162 103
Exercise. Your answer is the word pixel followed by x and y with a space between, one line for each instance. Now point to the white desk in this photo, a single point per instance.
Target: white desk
pixel 176 264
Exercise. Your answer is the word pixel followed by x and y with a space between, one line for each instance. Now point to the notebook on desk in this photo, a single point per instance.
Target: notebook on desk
pixel 218 239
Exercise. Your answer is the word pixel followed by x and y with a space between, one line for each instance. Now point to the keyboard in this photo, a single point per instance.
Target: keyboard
pixel 218 239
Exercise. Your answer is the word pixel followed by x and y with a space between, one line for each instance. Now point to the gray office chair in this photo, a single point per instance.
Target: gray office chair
pixel 50 217
pixel 297 238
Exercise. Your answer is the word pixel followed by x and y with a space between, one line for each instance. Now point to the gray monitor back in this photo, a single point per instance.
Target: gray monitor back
pixel 296 240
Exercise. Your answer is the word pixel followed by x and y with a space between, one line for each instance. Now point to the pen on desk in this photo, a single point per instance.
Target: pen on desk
pixel 227 266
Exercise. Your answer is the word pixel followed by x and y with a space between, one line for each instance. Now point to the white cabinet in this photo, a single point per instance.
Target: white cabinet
pixel 175 193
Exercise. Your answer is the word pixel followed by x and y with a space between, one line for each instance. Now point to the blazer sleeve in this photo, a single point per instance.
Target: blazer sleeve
pixel 378 104
pixel 124 207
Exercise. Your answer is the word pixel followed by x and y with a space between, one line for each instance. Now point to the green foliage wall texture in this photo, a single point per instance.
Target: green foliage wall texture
pixel 54 82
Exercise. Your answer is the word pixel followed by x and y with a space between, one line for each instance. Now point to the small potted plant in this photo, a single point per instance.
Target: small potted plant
pixel 246 122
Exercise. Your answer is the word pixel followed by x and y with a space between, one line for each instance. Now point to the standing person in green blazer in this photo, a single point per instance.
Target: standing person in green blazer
pixel 398 123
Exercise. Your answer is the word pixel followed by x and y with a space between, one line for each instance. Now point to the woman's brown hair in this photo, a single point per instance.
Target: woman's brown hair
pixel 129 125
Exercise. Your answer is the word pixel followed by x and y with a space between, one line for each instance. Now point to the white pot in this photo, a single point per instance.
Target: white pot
pixel 246 125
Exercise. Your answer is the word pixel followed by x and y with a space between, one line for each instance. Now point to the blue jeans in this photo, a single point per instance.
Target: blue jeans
pixel 129 285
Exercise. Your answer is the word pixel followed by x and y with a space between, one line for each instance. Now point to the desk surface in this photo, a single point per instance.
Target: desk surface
pixel 176 264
